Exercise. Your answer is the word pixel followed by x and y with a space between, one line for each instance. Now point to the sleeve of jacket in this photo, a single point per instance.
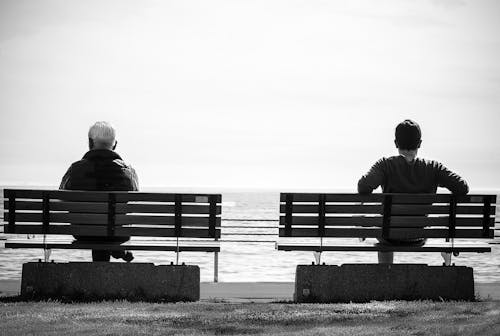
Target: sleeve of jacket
pixel 134 180
pixel 65 182
pixel 373 179
pixel 451 181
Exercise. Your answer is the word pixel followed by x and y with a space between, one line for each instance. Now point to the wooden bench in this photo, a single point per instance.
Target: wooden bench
pixel 328 217
pixel 153 221
pixel 107 214
pixel 325 222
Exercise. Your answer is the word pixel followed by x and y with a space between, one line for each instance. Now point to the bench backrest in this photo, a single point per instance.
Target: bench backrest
pixel 96 213
pixel 396 216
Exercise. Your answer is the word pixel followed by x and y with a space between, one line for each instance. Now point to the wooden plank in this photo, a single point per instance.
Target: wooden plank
pixel 164 232
pixel 83 230
pixel 396 221
pixel 102 196
pixel 99 219
pixel 342 197
pixel 398 198
pixel 438 198
pixel 329 232
pixel 329 209
pixel 164 197
pixel 67 195
pixel 387 248
pixel 395 233
pixel 187 221
pixel 420 209
pixel 101 230
pixel 164 208
pixel 334 221
pixel 114 247
pixel 100 207
pixel 420 221
pixel 78 207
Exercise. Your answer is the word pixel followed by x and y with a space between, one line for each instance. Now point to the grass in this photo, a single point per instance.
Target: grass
pixel 204 318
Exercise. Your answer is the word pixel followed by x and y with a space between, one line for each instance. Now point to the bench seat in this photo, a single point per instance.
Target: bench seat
pixel 134 245
pixel 429 247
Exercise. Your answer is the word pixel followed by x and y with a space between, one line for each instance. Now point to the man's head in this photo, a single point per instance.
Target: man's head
pixel 408 136
pixel 102 136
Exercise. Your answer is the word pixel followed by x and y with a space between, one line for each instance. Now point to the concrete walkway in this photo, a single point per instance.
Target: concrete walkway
pixel 257 291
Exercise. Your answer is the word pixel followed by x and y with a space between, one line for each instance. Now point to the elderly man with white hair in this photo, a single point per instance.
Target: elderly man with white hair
pixel 101 168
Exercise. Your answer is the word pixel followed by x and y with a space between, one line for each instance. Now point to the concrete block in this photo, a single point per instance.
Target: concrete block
pixel 95 281
pixel 367 282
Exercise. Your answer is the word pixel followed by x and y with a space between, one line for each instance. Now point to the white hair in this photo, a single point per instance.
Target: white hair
pixel 103 134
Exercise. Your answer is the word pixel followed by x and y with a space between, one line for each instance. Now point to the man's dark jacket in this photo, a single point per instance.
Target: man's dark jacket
pixel 100 169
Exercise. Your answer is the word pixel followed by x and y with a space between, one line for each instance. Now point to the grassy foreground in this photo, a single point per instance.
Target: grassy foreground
pixel 376 318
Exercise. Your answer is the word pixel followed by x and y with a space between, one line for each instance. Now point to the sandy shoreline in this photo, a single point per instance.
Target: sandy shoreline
pixel 258 291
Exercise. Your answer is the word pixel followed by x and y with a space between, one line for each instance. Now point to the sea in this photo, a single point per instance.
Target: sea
pixel 250 254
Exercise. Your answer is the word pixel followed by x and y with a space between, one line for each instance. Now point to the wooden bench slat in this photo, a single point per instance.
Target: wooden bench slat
pixel 83 230
pixel 101 230
pixel 348 208
pixel 101 207
pixel 397 209
pixel 78 207
pixel 102 196
pixel 102 219
pixel 164 208
pixel 310 197
pixel 420 221
pixel 164 232
pixel 405 221
pixel 334 220
pixel 165 220
pixel 66 195
pixel 97 219
pixel 397 198
pixel 397 233
pixel 107 246
pixel 386 248
pixel 165 197
pixel 411 209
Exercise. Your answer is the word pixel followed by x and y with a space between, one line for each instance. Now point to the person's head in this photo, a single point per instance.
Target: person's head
pixel 102 136
pixel 408 135
pixel 408 138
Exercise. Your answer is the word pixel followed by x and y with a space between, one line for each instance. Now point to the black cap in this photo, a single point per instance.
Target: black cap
pixel 408 135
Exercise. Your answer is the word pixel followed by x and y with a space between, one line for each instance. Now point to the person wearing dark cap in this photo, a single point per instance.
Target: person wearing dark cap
pixel 405 173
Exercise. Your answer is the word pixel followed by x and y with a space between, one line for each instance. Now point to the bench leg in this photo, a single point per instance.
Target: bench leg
pixel 216 266
pixel 46 254
pixel 317 257
pixel 447 258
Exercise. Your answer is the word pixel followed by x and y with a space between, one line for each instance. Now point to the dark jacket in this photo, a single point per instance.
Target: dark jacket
pixel 396 175
pixel 100 169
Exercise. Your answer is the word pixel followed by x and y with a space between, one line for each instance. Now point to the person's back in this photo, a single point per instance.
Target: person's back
pixel 397 174
pixel 406 173
pixel 101 168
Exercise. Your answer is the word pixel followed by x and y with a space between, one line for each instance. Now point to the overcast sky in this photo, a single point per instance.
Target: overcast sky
pixel 249 94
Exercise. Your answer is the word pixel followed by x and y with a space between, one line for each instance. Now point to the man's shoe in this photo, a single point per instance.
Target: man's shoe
pixel 128 257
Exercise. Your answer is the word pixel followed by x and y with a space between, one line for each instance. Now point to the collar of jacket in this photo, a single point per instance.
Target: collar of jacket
pixel 101 154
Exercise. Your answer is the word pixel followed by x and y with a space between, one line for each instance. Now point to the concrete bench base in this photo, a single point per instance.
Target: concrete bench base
pixel 368 282
pixel 95 281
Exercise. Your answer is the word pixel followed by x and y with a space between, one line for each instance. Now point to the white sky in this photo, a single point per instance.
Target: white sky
pixel 249 94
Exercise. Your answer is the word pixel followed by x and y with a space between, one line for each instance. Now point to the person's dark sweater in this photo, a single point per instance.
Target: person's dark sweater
pixel 396 175
pixel 100 169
